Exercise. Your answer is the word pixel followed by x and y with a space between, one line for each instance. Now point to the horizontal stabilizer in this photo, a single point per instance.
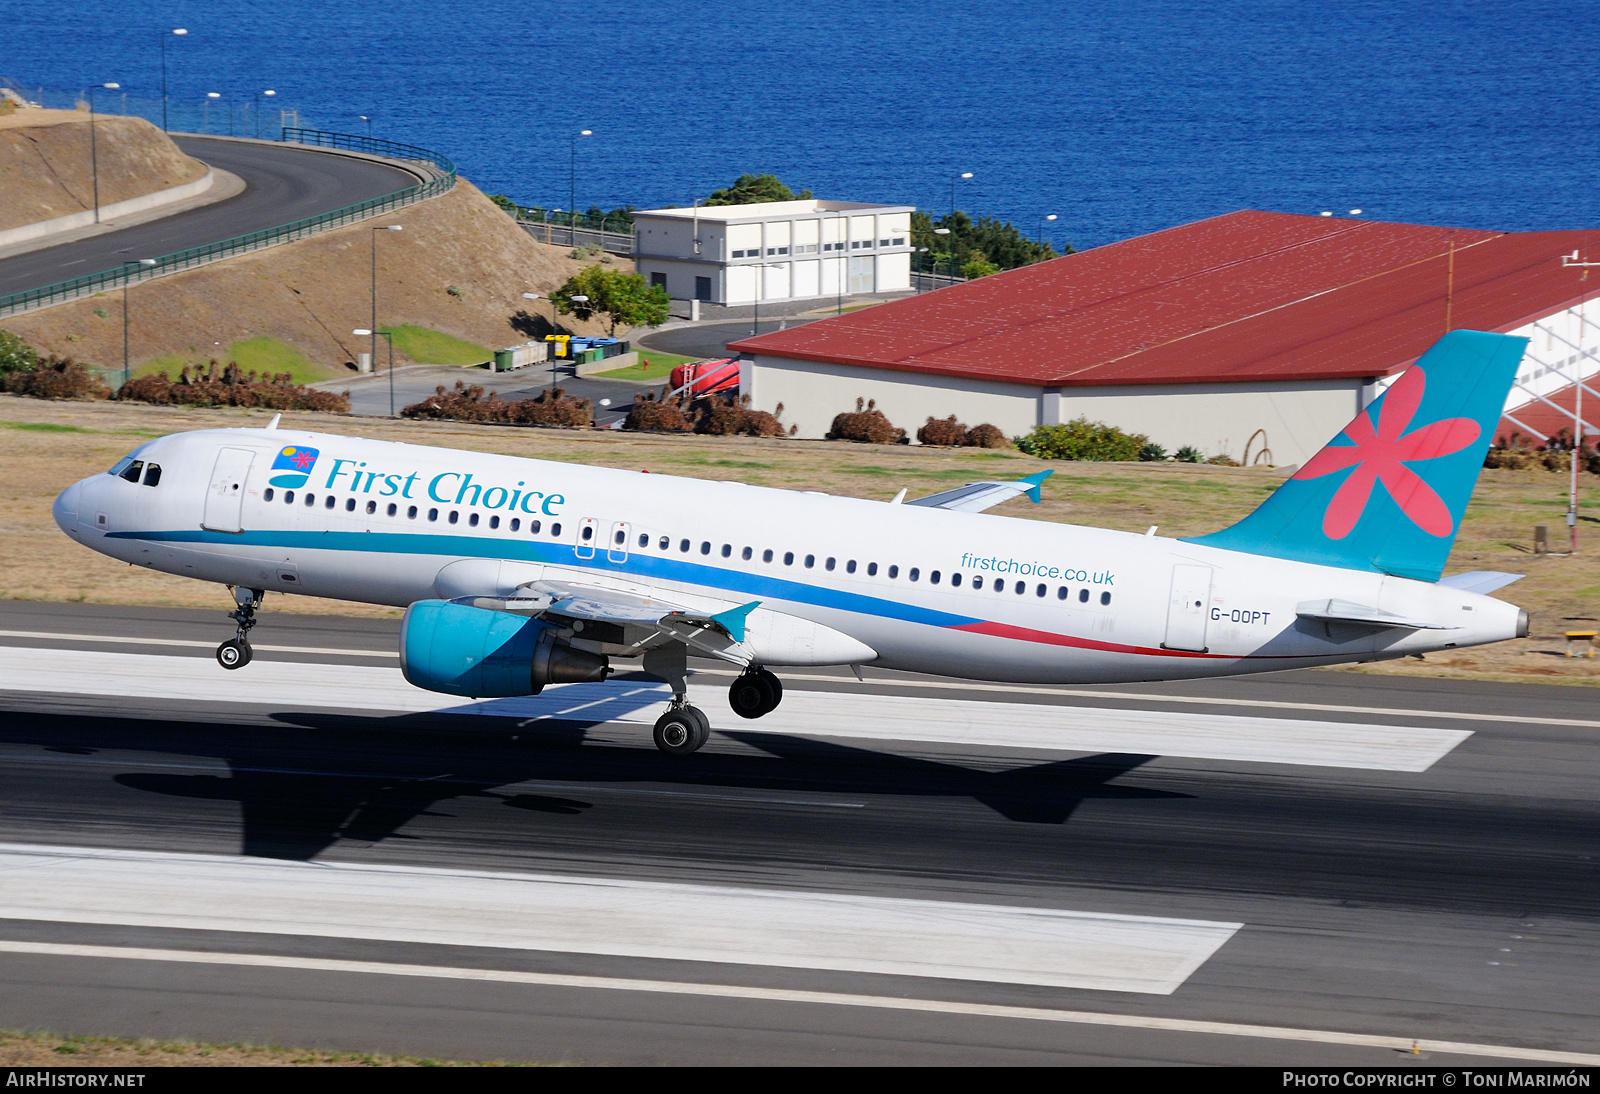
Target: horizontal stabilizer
pixel 1482 582
pixel 1345 611
pixel 975 497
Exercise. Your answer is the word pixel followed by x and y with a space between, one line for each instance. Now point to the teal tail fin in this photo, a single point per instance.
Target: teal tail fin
pixel 1387 493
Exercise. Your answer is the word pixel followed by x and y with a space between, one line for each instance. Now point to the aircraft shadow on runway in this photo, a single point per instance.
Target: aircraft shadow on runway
pixel 324 778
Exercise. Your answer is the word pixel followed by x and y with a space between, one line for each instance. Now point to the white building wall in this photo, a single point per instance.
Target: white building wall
pixel 1563 348
pixel 1297 418
pixel 807 278
pixel 894 272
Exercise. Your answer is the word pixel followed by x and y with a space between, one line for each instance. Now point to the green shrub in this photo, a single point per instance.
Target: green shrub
pixel 1081 439
pixel 868 426
pixel 468 404
pixel 15 354
pixel 231 386
pixel 1187 454
pixel 1152 453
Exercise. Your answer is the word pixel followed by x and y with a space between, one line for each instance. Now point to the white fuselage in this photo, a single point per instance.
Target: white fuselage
pixel 927 590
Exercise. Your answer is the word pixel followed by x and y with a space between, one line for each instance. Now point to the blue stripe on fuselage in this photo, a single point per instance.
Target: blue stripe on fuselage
pixel 638 566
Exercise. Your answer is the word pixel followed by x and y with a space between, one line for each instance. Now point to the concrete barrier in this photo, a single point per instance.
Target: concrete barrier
pixel 621 360
pixel 73 221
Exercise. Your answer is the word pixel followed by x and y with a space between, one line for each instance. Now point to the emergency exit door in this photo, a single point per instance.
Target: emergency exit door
pixel 1186 608
pixel 225 495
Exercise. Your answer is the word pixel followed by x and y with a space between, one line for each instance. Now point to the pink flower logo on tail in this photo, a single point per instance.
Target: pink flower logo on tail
pixel 1381 455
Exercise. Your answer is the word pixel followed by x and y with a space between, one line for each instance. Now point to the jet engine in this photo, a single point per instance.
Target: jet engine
pixel 462 650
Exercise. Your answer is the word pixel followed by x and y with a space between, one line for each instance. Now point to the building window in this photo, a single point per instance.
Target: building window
pixel 658 278
pixel 883 242
pixel 783 250
pixel 899 241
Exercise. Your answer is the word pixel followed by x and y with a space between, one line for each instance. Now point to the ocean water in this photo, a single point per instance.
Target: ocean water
pixel 1119 118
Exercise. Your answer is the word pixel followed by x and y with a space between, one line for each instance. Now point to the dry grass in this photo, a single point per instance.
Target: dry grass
pixel 309 295
pixel 54 444
pixel 48 1050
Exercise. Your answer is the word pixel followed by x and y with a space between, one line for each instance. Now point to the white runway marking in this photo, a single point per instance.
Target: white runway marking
pixel 813 714
pixel 814 998
pixel 769 927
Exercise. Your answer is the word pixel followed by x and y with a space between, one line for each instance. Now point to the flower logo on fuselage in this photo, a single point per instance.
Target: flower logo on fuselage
pixel 296 461
pixel 1381 454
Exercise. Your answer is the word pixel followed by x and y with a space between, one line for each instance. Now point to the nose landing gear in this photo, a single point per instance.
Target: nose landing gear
pixel 755 693
pixel 235 653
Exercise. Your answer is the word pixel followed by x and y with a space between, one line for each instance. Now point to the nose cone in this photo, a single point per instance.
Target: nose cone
pixel 65 509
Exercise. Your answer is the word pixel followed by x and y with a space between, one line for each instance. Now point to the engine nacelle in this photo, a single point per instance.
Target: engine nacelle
pixel 461 650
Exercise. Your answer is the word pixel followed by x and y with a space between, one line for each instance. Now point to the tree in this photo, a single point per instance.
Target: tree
pixel 754 189
pixel 1001 244
pixel 15 354
pixel 620 297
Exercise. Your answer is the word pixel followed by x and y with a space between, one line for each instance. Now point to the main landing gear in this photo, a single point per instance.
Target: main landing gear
pixel 755 693
pixel 235 653
pixel 683 728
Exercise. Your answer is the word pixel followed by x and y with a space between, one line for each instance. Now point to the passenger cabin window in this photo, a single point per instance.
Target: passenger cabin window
pixel 555 529
pixel 533 527
pixel 955 579
pixel 455 516
pixel 1105 598
pixel 516 522
pixel 472 520
pixel 894 571
pixel 133 471
pixel 850 567
pixel 1022 587
pixel 311 499
pixel 811 560
pixel 977 581
pixel 288 497
pixel 766 556
pixel 644 539
pixel 1061 593
pixel 587 534
pixel 914 573
pixel 828 565
pixel 934 577
pixel 268 494
pixel 372 507
pixel 350 505
pixel 433 514
pixel 1083 596
pixel 411 512
pixel 1040 591
pixel 788 558
pixel 872 569
pixel 683 546
pixel 392 510
pixel 705 547
pixel 746 553
pixel 665 543
pixel 331 501
pixel 727 550
pixel 152 475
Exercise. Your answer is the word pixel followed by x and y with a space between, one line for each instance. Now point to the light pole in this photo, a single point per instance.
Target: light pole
pixel 578 299
pixel 206 124
pixel 1568 262
pixel 1040 241
pixel 230 113
pixel 572 203
pixel 388 336
pixel 94 156
pixel 126 375
pixel 944 232
pixel 374 331
pixel 179 32
pixel 269 94
pixel 761 283
pixel 920 251
pixel 368 120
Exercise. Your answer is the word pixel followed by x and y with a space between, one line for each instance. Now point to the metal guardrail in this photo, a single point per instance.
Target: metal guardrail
pixel 134 272
pixel 565 235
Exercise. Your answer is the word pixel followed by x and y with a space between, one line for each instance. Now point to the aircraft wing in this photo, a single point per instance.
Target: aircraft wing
pixel 975 497
pixel 719 634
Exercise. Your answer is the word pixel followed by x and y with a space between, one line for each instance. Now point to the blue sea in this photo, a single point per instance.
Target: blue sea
pixel 1119 118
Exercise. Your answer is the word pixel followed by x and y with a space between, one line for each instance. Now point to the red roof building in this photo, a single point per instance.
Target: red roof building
pixel 1205 334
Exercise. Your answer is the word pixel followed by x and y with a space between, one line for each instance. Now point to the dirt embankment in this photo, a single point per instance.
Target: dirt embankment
pixel 46 170
pixel 459 265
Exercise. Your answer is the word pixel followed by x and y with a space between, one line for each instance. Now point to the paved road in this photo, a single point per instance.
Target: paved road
pixel 370 395
pixel 711 339
pixel 283 183
pixel 1460 902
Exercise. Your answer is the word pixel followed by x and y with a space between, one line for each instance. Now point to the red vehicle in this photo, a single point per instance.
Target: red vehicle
pixel 705 377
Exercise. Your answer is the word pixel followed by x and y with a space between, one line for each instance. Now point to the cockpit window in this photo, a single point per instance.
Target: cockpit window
pixel 152 474
pixel 133 471
pixel 122 465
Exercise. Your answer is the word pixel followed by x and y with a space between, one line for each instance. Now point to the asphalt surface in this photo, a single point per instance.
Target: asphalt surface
pixel 284 183
pixel 1458 903
pixel 711 339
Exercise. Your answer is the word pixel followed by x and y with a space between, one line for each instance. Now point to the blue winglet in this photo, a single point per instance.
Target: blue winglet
pixel 1037 479
pixel 733 619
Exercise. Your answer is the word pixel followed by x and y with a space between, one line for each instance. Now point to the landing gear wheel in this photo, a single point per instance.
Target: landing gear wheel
pixel 682 731
pixel 234 654
pixel 755 693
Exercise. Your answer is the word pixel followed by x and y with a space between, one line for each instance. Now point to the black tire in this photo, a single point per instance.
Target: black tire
pixel 776 687
pixel 681 732
pixel 233 654
pixel 750 695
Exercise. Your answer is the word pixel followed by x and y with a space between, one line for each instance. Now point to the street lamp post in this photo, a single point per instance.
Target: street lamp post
pixel 126 375
pixel 578 299
pixel 388 336
pixel 943 232
pixel 206 123
pixel 94 156
pixel 374 331
pixel 572 202
pixel 951 223
pixel 269 94
pixel 368 120
pixel 1040 241
pixel 179 32
pixel 761 283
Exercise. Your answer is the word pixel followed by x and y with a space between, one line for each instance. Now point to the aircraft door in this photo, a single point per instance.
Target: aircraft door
pixel 617 545
pixel 225 495
pixel 1186 608
pixel 588 532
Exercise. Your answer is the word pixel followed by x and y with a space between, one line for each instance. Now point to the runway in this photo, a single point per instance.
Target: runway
pixel 283 183
pixel 1313 868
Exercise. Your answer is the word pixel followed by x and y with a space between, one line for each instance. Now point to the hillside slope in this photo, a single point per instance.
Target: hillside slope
pixel 312 293
pixel 46 169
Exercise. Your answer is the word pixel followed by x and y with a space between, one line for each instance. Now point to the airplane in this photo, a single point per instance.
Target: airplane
pixel 517 573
